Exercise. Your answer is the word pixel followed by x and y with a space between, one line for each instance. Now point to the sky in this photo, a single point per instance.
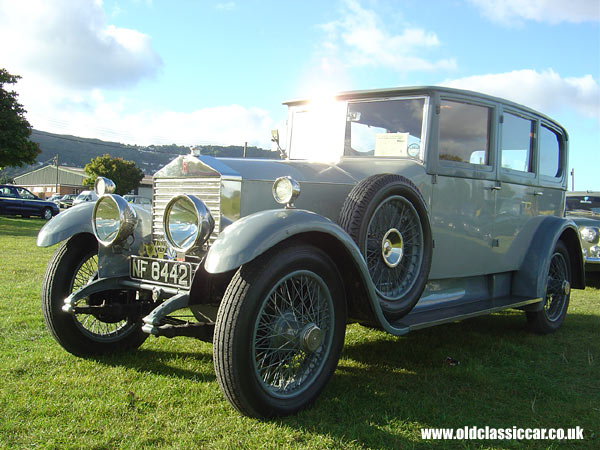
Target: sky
pixel 216 72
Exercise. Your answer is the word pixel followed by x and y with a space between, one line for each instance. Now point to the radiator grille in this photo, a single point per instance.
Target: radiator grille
pixel 206 189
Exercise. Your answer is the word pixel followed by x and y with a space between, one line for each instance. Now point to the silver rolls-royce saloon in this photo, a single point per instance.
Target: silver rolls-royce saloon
pixel 398 209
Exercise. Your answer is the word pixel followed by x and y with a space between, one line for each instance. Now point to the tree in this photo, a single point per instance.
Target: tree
pixel 123 173
pixel 15 147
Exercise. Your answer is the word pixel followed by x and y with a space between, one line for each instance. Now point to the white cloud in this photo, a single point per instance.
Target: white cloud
pixel 91 114
pixel 513 12
pixel 228 6
pixel 72 44
pixel 545 91
pixel 360 38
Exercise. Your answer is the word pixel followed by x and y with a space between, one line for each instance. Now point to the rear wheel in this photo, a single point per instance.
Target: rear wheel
pixel 279 332
pixel 558 293
pixel 106 322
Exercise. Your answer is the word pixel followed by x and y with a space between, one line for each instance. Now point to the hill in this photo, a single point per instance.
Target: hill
pixel 76 151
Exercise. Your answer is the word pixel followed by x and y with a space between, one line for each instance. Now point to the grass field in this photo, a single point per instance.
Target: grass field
pixel 384 390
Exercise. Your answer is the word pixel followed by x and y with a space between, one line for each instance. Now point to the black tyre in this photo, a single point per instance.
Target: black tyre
pixel 558 293
pixel 279 331
pixel 387 218
pixel 46 214
pixel 105 330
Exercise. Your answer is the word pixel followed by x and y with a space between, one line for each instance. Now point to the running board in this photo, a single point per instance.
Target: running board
pixel 436 316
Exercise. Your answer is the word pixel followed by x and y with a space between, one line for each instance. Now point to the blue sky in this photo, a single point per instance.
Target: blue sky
pixel 197 72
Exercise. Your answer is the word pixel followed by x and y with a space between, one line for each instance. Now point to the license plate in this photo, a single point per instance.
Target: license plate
pixel 161 271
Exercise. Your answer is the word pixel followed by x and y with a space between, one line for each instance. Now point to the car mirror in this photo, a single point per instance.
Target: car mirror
pixel 275 136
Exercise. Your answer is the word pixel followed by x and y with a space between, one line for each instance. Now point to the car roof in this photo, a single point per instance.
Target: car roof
pixel 424 90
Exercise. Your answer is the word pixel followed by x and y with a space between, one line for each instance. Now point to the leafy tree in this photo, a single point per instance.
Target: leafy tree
pixel 15 147
pixel 123 173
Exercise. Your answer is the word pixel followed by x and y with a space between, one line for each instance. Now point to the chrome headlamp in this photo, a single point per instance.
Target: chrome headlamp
pixel 104 186
pixel 113 219
pixel 589 234
pixel 285 191
pixel 187 222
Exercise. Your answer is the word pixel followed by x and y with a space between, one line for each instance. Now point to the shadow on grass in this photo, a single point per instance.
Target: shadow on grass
pixel 160 362
pixel 592 279
pixel 499 375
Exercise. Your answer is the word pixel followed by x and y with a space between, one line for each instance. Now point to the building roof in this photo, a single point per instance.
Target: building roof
pixel 72 176
pixel 49 175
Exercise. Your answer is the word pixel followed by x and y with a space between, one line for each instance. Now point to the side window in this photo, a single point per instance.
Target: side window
pixel 24 193
pixel 517 143
pixel 7 192
pixel 464 133
pixel 550 153
pixel 390 128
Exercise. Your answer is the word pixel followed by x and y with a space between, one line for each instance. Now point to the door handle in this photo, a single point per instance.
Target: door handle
pixel 496 188
pixel 538 193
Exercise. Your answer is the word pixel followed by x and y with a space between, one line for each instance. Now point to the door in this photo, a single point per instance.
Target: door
pixel 463 201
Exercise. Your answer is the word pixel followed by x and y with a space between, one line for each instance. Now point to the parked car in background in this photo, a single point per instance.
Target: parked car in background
pixel 85 196
pixel 66 200
pixel 138 200
pixel 15 200
pixel 583 207
pixel 398 209
pixel 54 198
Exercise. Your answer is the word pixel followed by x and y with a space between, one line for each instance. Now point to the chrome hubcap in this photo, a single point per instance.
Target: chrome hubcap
pixel 392 247
pixel 312 338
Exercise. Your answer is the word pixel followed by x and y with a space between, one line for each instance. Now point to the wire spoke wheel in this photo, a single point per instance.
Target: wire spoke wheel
pixel 387 217
pixel 394 247
pixel 293 334
pixel 102 323
pixel 558 292
pixel 96 326
pixel 558 287
pixel 279 332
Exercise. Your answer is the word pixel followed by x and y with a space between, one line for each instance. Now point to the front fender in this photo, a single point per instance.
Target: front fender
pixel 77 219
pixel 251 236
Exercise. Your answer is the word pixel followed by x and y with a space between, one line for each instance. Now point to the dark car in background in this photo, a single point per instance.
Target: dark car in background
pixel 66 201
pixel 18 201
pixel 583 207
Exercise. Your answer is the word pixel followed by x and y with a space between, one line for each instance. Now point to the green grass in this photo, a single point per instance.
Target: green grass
pixel 384 390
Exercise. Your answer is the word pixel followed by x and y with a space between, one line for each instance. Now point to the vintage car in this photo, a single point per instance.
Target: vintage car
pixel 18 201
pixel 398 209
pixel 583 207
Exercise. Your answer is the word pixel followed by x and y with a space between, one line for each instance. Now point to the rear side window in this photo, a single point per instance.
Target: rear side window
pixel 7 192
pixel 464 133
pixel 550 153
pixel 517 143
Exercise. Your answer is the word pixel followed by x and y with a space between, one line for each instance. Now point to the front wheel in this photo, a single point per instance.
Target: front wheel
pixel 279 331
pixel 106 322
pixel 558 290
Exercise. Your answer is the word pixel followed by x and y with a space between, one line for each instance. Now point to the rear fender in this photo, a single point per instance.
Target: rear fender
pixel 530 280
